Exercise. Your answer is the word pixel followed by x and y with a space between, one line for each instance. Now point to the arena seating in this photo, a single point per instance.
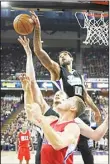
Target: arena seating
pixel 95 62
pixel 9 104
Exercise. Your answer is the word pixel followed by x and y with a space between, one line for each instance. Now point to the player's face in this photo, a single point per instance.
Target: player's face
pixel 66 105
pixel 24 126
pixel 65 59
pixel 59 97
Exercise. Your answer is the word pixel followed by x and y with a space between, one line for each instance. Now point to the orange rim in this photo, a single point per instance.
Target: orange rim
pixel 96 15
pixel 101 2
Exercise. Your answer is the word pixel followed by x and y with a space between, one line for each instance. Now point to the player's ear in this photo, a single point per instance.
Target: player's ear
pixel 73 109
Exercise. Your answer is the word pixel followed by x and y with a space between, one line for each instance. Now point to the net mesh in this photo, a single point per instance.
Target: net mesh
pixel 97 29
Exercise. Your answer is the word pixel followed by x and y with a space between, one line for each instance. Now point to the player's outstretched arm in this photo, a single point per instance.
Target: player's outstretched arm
pixel 44 58
pixel 24 41
pixel 28 98
pixel 30 68
pixel 91 104
pixel 28 95
pixel 88 132
pixel 37 95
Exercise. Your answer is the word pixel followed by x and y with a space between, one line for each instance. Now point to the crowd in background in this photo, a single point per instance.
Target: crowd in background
pixel 95 62
pixel 8 138
pixel 9 104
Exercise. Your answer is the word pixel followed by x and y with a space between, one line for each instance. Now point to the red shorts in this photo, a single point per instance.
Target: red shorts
pixel 24 152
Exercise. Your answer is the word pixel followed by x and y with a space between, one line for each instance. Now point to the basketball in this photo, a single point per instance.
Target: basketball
pixel 23 24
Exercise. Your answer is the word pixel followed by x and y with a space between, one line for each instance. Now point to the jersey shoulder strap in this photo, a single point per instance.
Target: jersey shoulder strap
pixel 51 112
pixel 79 75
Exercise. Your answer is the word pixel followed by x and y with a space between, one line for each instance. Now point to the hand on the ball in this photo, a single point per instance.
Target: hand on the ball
pixel 24 42
pixel 35 19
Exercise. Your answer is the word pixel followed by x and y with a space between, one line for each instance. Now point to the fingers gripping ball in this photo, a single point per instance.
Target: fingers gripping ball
pixel 23 24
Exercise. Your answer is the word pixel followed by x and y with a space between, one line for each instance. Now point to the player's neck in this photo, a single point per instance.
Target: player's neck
pixel 64 117
pixel 24 131
pixel 69 68
pixel 55 105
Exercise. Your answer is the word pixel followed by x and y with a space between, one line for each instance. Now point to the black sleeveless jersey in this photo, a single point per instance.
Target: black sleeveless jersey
pixel 40 135
pixel 72 83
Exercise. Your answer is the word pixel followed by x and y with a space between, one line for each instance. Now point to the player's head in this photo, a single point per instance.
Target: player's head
pixel 74 104
pixel 24 126
pixel 65 58
pixel 59 97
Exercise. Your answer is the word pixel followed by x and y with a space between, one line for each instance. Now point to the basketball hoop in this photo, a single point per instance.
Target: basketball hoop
pixel 97 29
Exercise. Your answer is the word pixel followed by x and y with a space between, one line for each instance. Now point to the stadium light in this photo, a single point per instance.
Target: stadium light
pixel 4 4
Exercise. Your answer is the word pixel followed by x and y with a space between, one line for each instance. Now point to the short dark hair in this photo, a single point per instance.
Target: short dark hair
pixel 66 53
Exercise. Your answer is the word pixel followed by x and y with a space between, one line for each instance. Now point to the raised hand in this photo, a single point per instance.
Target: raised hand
pixel 25 81
pixel 35 19
pixel 24 42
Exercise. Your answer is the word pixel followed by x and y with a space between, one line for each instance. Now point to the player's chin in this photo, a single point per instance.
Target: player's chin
pixel 59 106
pixel 57 101
pixel 65 63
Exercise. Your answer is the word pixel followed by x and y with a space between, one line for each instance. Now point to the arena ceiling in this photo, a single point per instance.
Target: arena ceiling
pixel 59 4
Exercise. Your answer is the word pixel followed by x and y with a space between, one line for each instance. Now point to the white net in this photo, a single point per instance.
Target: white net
pixel 97 29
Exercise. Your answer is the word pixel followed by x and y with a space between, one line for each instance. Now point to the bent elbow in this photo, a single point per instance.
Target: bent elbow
pixel 97 139
pixel 58 146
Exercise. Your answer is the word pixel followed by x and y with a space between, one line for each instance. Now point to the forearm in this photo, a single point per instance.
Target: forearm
pixel 29 65
pixel 37 39
pixel 35 90
pixel 101 130
pixel 91 104
pixel 51 135
pixel 88 132
pixel 40 53
pixel 28 51
pixel 38 97
pixel 28 97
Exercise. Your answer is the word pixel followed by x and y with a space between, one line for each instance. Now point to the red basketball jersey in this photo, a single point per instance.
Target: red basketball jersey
pixel 51 156
pixel 24 139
